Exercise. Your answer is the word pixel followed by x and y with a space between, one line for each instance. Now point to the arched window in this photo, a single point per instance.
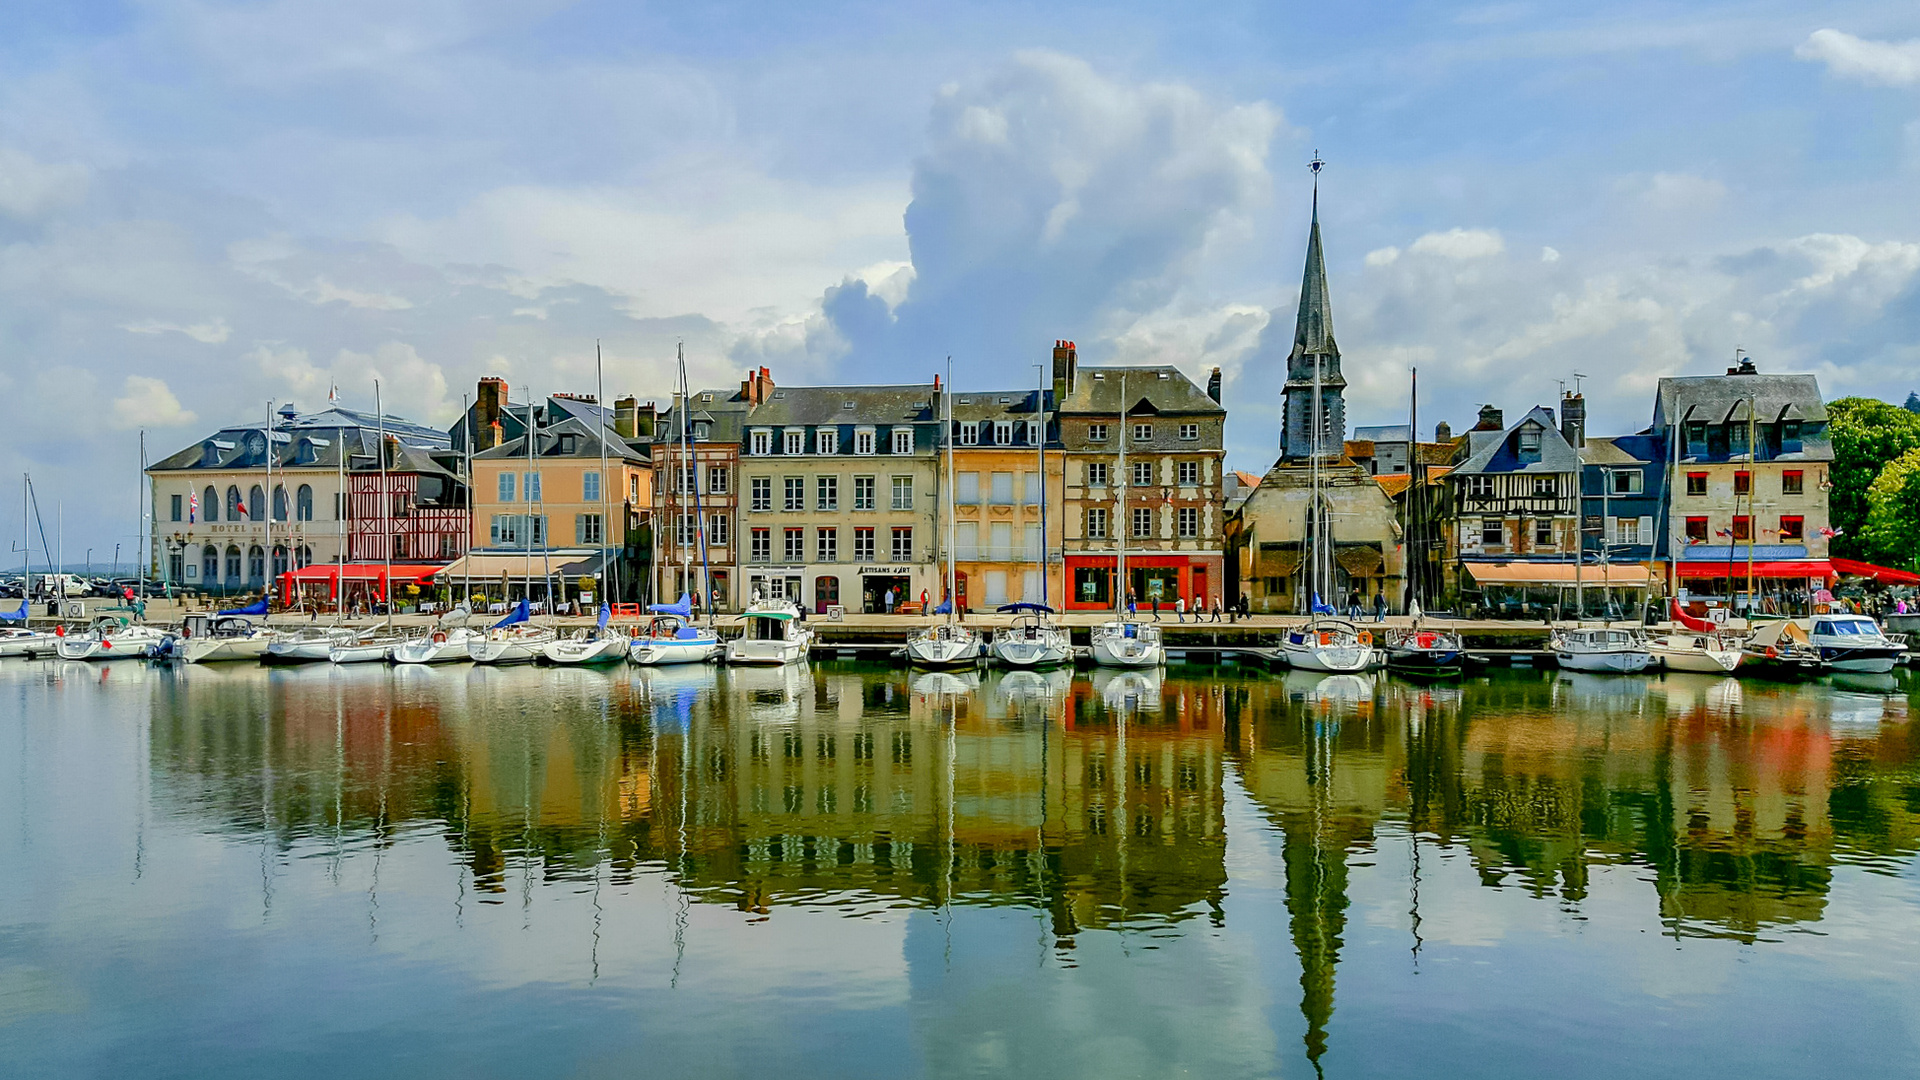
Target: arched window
pixel 256 565
pixel 279 561
pixel 234 510
pixel 304 558
pixel 210 562
pixel 279 503
pixel 210 504
pixel 303 503
pixel 233 565
pixel 256 504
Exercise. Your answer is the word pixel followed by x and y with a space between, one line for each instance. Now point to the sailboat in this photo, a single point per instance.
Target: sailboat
pixel 1033 640
pixel 671 638
pixel 446 644
pixel 512 640
pixel 596 646
pixel 22 641
pixel 946 644
pixel 1125 641
pixel 1419 649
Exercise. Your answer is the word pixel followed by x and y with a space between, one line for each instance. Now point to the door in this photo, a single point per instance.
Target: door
pixel 826 592
pixel 1200 594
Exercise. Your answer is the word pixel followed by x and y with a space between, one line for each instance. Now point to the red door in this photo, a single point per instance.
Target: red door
pixel 1200 596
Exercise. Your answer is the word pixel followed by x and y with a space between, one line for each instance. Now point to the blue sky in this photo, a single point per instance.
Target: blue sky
pixel 204 206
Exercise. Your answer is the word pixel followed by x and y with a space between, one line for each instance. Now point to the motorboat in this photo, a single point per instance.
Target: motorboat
pixel 1424 650
pixel 945 645
pixel 1032 641
pixel 1853 643
pixel 587 646
pixel 1707 652
pixel 1600 649
pixel 1780 649
pixel 370 649
pixel 18 641
pixel 109 638
pixel 208 639
pixel 1331 645
pixel 308 645
pixel 670 639
pixel 516 644
pixel 775 634
pixel 1127 643
pixel 443 646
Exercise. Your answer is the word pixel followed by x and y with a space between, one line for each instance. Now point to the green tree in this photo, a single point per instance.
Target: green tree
pixel 1892 532
pixel 1867 434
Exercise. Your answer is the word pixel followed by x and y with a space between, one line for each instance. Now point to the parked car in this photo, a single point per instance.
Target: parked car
pixel 67 585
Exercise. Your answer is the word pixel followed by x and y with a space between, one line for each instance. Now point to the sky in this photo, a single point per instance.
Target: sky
pixel 206 207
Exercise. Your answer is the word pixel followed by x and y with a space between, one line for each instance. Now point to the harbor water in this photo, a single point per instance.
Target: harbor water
pixel 855 871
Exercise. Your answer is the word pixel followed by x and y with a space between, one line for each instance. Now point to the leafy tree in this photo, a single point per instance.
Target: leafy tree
pixel 1867 434
pixel 1892 532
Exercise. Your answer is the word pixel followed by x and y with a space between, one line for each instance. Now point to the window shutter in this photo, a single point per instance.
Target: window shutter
pixel 1646 528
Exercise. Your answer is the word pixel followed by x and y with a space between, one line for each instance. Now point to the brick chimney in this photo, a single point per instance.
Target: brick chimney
pixel 1491 419
pixel 1443 432
pixel 625 417
pixel 490 401
pixel 646 419
pixel 1066 368
pixel 1573 419
pixel 757 387
pixel 1213 386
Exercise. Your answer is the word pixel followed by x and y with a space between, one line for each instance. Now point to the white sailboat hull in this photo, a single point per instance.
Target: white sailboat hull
pixel 1337 659
pixel 958 648
pixel 130 644
pixel 28 645
pixel 654 652
pixel 213 650
pixel 1045 649
pixel 1626 661
pixel 436 649
pixel 574 651
pixel 790 651
pixel 362 652
pixel 1707 661
pixel 1128 652
pixel 507 650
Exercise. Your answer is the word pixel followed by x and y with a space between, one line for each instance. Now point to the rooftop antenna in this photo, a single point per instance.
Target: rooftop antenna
pixel 1316 165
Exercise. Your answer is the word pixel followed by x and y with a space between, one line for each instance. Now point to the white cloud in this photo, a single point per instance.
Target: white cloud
pixel 1385 256
pixel 148 403
pixel 1885 62
pixel 30 189
pixel 212 332
pixel 1548 255
pixel 1677 192
pixel 1459 244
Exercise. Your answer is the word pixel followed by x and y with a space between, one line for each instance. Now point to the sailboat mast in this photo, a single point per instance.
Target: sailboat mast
pixel 692 455
pixel 1121 484
pixel 526 565
pixel 606 525
pixel 386 507
pixel 466 577
pixel 1415 470
pixel 146 523
pixel 683 481
pixel 953 596
pixel 1040 443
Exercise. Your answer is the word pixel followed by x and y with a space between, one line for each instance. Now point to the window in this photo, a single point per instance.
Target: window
pixel 1743 483
pixel 1033 433
pixel 1696 483
pixel 826 440
pixel 210 506
pixel 1696 530
pixel 794 546
pixel 1543 532
pixel 1096 474
pixel 863 493
pixel 1189 432
pixel 966 488
pixel 210 563
pixel 590 487
pixel 1142 521
pixel 762 550
pixel 517 530
pixel 718 529
pixel 1545 487
pixel 303 503
pixel 863 441
pixel 532 484
pixel 828 543
pixel 1143 474
pixel 1792 482
pixel 903 440
pixel 1003 433
pixel 235 509
pixel 827 493
pixel 1480 487
pixel 1628 482
pixel 1493 532
pixel 633 487
pixel 795 498
pixel 1189 522
pixel 1035 495
pixel 1096 523
pixel 1189 473
pixel 178 505
pixel 966 541
pixel 760 444
pixel 1626 530
pixel 1142 433
pixel 1529 444
pixel 684 476
pixel 1096 433
pixel 903 545
pixel 687 530
pixel 762 493
pixel 257 563
pixel 588 529
pixel 1003 489
pixel 863 545
pixel 903 493
pixel 1742 527
pixel 256 504
pixel 279 503
pixel 1793 528
pixel 717 480
pixel 796 442
pixel 969 434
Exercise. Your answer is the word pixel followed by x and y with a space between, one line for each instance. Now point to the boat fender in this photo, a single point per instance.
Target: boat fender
pixel 1326 637
pixel 59 631
pixel 1366 637
pixel 439 638
pixel 1771 653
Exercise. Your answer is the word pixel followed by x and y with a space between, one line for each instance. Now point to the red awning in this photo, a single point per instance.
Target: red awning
pixel 1793 568
pixel 1885 575
pixel 372 573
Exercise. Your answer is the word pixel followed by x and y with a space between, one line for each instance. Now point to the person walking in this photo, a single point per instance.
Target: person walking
pixel 887 601
pixel 1246 607
pixel 1133 607
pixel 1380 607
pixel 1180 609
pixel 1216 609
pixel 1153 603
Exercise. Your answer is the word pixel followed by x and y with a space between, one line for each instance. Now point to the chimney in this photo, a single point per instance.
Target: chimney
pixel 1066 368
pixel 1213 386
pixel 626 417
pixel 393 451
pixel 646 419
pixel 1442 432
pixel 1491 419
pixel 489 401
pixel 1573 420
pixel 757 387
pixel 1745 367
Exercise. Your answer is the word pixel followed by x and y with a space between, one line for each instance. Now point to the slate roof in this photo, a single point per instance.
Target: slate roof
pixel 1721 399
pixel 1096 391
pixel 1496 453
pixel 313 440
pixel 974 405
pixel 585 443
pixel 822 406
pixel 725 416
pixel 1606 451
pixel 1383 433
pixel 1313 323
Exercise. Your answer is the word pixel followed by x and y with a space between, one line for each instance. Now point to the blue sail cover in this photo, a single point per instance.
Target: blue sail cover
pixel 945 608
pixel 1320 608
pixel 18 613
pixel 520 613
pixel 258 607
pixel 1023 605
pixel 684 608
pixel 606 613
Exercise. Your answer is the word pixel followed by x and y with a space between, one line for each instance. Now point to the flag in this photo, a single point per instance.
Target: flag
pixel 193 508
pixel 1830 532
pixel 1723 532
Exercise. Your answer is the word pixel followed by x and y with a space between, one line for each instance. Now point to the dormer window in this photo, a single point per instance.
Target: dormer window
pixel 969 434
pixel 826 440
pixel 702 430
pixel 1033 433
pixel 903 440
pixel 863 441
pixel 1003 433
pixel 760 442
pixel 1528 444
pixel 567 443
pixel 796 442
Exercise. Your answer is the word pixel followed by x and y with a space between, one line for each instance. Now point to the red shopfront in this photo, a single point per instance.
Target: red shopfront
pixel 1090 580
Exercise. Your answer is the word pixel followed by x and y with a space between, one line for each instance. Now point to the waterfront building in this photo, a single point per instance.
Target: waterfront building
pixel 1516 500
pixel 1748 469
pixel 1622 490
pixel 1143 465
pixel 1005 542
pixel 696 483
pixel 319 477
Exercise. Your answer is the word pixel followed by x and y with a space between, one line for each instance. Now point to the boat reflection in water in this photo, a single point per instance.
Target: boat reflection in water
pixel 1098 804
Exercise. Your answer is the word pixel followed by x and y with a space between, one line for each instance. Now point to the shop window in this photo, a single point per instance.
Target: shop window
pixel 1093 585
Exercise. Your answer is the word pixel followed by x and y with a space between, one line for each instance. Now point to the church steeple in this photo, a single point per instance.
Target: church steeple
pixel 1313 347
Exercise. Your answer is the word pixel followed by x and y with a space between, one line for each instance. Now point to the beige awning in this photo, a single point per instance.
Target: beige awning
pixel 1557 573
pixel 491 566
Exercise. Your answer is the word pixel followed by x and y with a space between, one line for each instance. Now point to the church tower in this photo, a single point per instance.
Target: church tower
pixel 1313 346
